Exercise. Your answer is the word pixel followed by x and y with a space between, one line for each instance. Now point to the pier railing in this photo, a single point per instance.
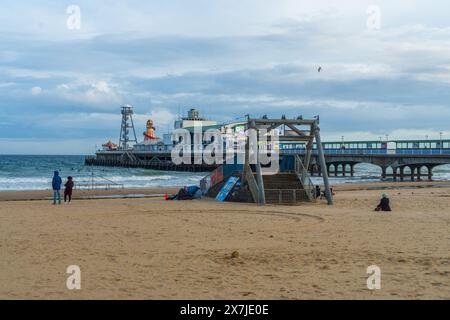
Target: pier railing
pixel 369 152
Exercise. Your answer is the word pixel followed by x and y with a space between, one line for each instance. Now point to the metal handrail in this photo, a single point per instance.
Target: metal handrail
pixel 90 183
pixel 305 179
pixel 89 186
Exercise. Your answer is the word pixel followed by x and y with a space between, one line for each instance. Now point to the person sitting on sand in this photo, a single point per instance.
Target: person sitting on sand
pixel 183 194
pixel 68 191
pixel 384 203
pixel 56 185
pixel 187 193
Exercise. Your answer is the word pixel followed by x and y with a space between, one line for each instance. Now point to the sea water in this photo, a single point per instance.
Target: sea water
pixel 21 172
pixel 35 173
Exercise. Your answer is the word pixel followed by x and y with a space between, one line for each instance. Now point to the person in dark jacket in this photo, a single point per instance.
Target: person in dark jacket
pixel 317 192
pixel 68 191
pixel 186 193
pixel 384 203
pixel 56 185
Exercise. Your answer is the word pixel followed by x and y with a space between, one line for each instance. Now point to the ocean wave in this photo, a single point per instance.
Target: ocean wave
pixel 129 181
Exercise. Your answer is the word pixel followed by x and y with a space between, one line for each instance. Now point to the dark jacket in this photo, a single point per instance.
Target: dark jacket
pixel 69 185
pixel 317 192
pixel 384 204
pixel 57 181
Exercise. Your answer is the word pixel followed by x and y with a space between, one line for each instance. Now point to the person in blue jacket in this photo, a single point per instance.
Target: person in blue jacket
pixel 187 193
pixel 56 185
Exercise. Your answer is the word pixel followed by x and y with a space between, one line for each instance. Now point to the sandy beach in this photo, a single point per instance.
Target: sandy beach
pixel 148 248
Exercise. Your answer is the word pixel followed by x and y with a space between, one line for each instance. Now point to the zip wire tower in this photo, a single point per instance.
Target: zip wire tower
pixel 127 124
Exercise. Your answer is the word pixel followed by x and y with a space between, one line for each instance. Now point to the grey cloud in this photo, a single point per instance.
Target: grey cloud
pixel 370 82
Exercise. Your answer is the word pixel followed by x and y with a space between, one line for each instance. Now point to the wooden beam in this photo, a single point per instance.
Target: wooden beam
pixel 274 126
pixel 282 121
pixel 294 138
pixel 296 130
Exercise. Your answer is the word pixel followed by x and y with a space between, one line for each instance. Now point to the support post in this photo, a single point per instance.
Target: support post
pixel 430 173
pixel 352 170
pixel 402 173
pixel 419 173
pixel 252 184
pixel 259 178
pixel 323 164
pixel 383 172
pixel 413 169
pixel 261 195
pixel 246 161
pixel 309 149
pixel 394 173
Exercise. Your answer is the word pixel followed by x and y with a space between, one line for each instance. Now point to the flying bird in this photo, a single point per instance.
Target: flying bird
pixel 320 69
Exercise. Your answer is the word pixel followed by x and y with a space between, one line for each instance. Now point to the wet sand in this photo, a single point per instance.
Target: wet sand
pixel 154 249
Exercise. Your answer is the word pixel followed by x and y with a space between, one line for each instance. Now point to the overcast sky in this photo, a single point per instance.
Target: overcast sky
pixel 385 67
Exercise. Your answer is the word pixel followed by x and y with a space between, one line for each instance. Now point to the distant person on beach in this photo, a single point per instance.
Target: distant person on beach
pixel 68 191
pixel 317 192
pixel 56 185
pixel 384 203
pixel 323 194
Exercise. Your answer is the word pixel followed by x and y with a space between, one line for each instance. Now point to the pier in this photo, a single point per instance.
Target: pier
pixel 156 161
pixel 400 166
pixel 398 159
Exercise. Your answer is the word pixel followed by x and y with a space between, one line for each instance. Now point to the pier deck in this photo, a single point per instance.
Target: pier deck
pixel 398 166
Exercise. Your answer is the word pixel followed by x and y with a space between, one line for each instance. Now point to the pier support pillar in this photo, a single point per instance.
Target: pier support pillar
pixel 419 173
pixel 413 169
pixel 383 172
pixel 402 173
pixel 344 169
pixel 352 170
pixel 394 173
pixel 430 173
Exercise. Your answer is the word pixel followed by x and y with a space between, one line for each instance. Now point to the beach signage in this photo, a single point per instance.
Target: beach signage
pixel 227 188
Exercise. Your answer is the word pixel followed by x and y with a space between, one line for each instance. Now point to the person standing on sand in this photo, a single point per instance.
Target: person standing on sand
pixel 56 185
pixel 68 191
